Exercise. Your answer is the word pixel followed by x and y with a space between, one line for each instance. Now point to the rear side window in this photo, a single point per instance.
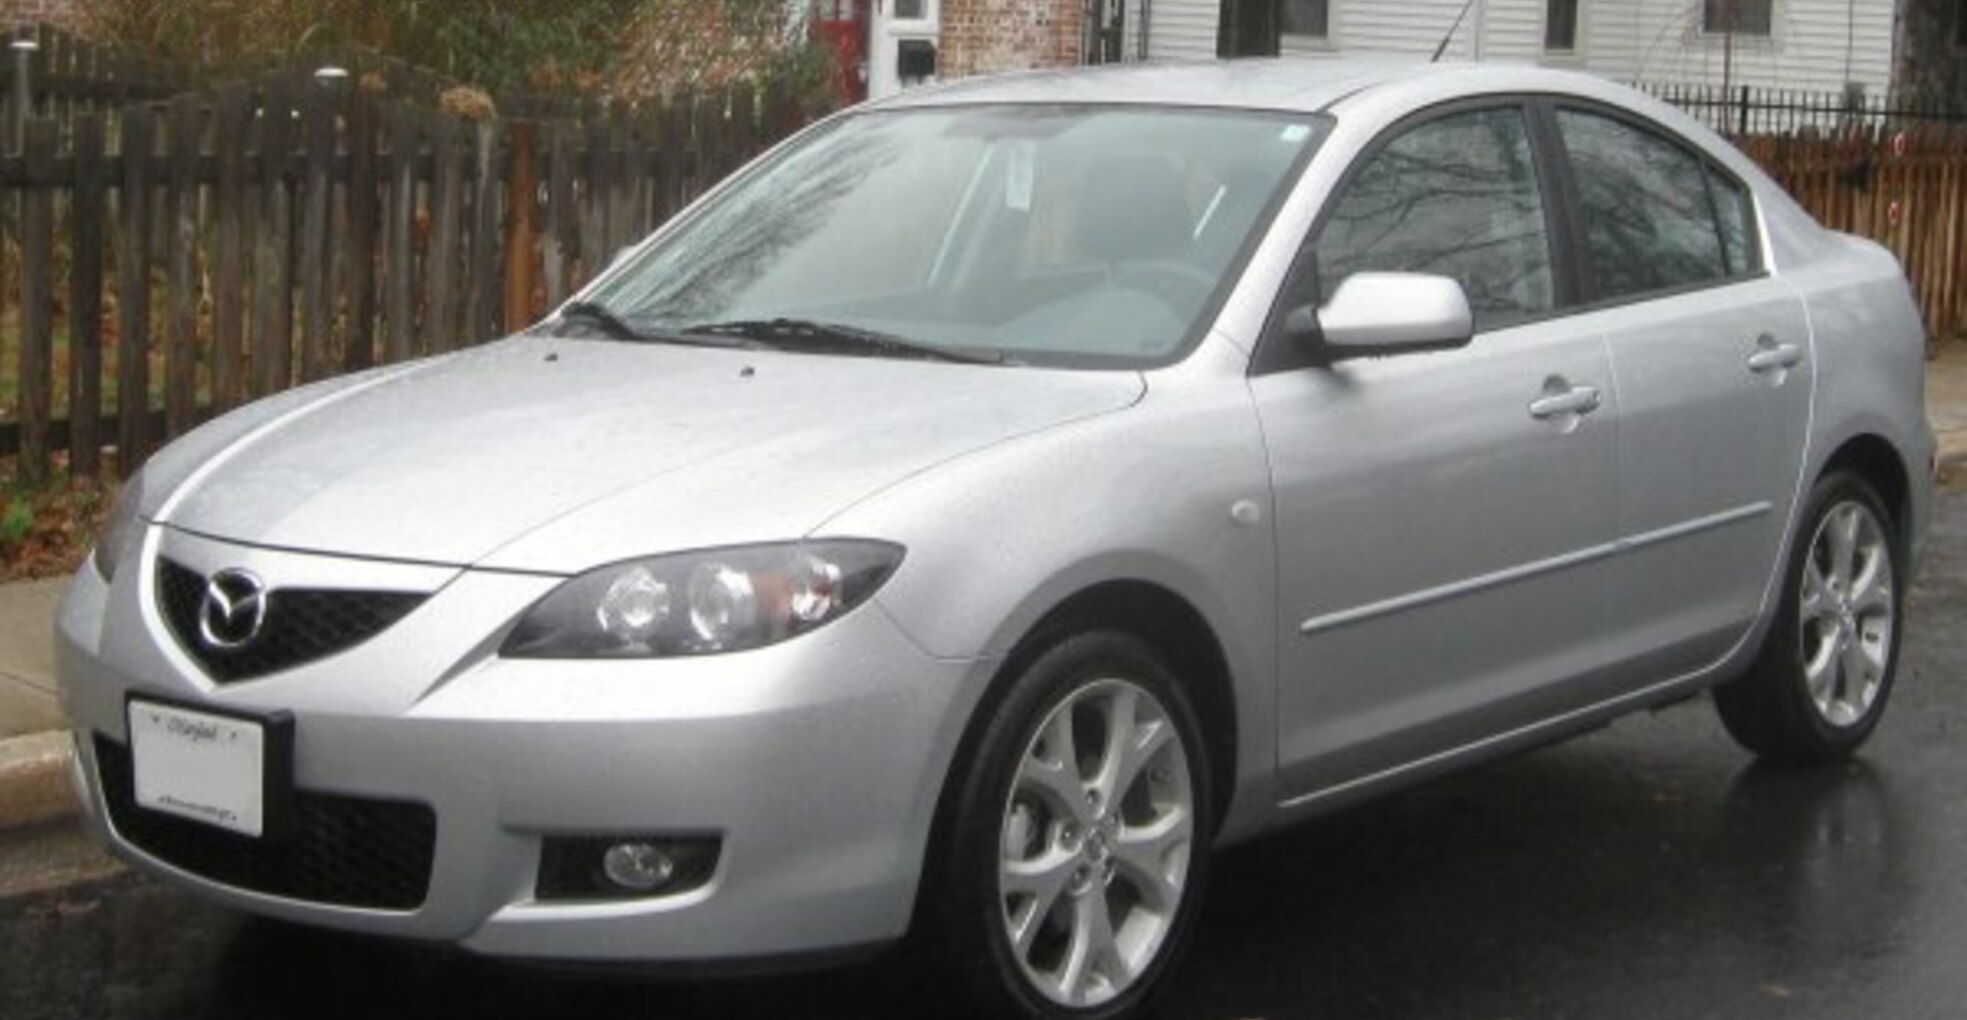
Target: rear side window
pixel 1651 221
pixel 1456 196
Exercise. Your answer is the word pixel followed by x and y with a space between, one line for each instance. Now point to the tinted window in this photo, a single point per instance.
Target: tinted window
pixel 1648 221
pixel 1456 197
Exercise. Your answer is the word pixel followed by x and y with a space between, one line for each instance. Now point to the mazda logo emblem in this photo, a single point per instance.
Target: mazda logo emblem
pixel 233 610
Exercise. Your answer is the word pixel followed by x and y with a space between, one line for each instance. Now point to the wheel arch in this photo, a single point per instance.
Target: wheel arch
pixel 1872 457
pixel 1173 627
pixel 1158 616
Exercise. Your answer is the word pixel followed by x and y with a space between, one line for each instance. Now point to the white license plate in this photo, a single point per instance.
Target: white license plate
pixel 208 768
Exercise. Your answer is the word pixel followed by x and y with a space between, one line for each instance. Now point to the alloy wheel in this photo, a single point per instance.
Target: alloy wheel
pixel 1847 609
pixel 1096 841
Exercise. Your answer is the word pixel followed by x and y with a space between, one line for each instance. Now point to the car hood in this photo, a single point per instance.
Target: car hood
pixel 556 455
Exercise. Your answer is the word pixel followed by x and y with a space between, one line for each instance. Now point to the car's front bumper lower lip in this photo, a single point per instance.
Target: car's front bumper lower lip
pixel 816 763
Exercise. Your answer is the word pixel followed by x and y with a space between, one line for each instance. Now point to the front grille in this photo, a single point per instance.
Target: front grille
pixel 302 624
pixel 344 851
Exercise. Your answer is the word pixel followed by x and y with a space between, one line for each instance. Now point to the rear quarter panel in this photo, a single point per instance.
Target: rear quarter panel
pixel 1870 350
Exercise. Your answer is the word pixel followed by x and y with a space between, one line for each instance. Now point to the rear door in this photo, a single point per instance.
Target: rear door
pixel 1713 366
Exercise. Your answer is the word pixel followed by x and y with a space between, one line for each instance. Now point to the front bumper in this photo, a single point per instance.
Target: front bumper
pixel 816 762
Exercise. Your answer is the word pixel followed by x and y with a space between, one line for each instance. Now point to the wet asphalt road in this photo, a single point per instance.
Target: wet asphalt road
pixel 1647 871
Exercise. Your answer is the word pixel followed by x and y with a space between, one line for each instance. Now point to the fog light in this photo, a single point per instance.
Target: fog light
pixel 624 866
pixel 637 866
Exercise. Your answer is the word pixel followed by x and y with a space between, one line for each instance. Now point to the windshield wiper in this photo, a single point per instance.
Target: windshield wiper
pixel 806 333
pixel 600 316
pixel 616 326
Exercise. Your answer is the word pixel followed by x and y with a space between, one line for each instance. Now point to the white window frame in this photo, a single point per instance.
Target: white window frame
pixel 931 13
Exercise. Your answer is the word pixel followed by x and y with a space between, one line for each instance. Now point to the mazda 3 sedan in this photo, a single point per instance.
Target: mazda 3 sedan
pixel 994 500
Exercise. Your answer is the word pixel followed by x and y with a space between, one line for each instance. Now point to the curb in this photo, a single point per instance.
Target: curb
pixel 34 779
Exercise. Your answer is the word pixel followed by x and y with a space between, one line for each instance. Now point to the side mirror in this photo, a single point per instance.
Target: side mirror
pixel 1386 313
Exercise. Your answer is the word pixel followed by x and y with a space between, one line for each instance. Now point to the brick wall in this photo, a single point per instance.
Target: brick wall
pixel 34 12
pixel 986 36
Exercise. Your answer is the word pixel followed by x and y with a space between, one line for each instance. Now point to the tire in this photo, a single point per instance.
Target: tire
pixel 1825 671
pixel 1065 897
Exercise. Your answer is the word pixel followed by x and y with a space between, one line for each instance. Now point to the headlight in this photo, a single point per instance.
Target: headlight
pixel 121 531
pixel 699 603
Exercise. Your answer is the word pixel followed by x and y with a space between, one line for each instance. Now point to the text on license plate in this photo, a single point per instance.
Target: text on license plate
pixel 195 765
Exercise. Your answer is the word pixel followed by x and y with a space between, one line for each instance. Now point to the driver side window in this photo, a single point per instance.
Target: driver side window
pixel 1456 196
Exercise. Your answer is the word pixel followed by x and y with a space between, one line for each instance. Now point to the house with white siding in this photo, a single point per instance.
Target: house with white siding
pixel 1817 45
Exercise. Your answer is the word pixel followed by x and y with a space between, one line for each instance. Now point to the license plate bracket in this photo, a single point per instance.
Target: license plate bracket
pixel 218 768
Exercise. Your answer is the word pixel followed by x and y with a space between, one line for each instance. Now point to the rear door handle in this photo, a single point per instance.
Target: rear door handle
pixel 1560 402
pixel 1771 356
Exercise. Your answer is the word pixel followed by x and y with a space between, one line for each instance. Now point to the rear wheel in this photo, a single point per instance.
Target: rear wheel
pixel 1825 671
pixel 1078 844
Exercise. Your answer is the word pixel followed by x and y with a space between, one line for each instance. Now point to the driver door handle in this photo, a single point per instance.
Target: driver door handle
pixel 1576 400
pixel 1771 357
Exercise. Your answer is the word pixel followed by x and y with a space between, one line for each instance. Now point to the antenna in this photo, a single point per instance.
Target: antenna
pixel 1450 37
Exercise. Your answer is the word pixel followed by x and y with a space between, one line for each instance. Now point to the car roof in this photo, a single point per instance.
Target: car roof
pixel 1304 85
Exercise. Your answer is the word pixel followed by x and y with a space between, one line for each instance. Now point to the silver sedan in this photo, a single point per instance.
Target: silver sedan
pixel 992 501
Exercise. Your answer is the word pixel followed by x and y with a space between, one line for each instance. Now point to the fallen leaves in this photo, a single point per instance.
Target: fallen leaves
pixel 45 531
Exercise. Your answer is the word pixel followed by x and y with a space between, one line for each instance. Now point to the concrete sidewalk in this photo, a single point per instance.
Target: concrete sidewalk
pixel 32 754
pixel 1946 407
pixel 28 699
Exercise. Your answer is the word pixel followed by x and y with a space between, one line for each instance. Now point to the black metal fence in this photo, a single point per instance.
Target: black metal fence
pixel 1748 111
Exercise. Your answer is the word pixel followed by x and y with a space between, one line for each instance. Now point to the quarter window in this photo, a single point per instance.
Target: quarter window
pixel 1736 217
pixel 1749 17
pixel 1457 197
pixel 1650 222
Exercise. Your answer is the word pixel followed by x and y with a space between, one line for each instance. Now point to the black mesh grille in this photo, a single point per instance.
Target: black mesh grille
pixel 302 624
pixel 346 851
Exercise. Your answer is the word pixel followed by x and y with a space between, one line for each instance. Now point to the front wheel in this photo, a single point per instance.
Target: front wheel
pixel 1825 671
pixel 1078 844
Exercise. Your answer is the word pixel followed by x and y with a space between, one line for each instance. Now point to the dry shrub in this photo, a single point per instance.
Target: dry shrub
pixel 498 45
pixel 672 45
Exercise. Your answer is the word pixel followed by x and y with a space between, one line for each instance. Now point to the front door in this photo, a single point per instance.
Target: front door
pixel 1447 521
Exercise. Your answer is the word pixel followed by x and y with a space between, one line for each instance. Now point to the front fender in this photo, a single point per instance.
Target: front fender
pixel 1000 537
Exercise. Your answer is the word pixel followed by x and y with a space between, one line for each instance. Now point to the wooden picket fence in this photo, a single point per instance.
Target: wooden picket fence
pixel 67 75
pixel 235 243
pixel 1906 190
pixel 1877 165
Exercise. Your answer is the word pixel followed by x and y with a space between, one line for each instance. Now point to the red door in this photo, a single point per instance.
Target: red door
pixel 841 25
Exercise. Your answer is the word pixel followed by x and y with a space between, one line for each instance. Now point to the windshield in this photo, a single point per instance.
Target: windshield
pixel 1060 235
